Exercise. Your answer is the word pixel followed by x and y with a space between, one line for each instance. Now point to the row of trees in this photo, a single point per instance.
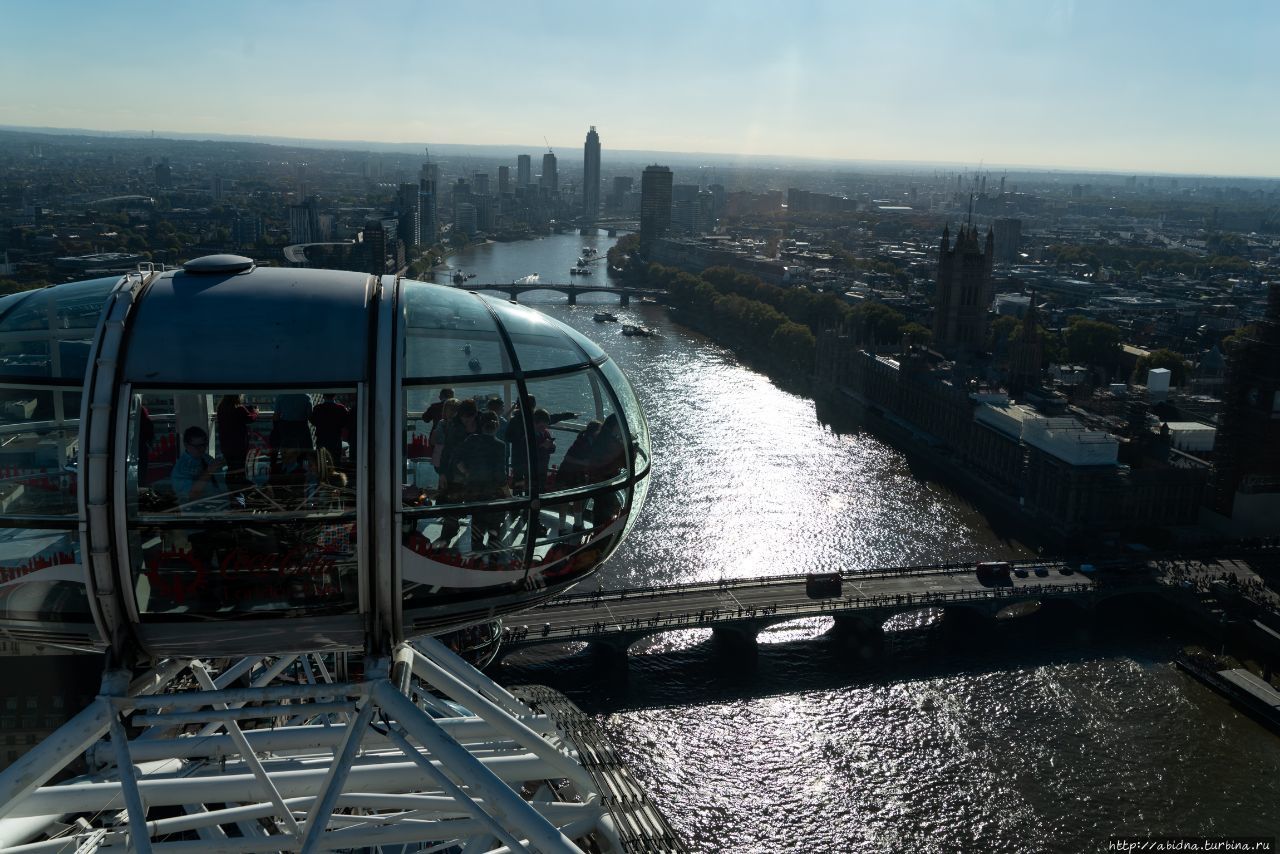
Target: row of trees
pixel 1144 260
pixel 779 326
pixel 1093 343
pixel 772 325
pixel 754 329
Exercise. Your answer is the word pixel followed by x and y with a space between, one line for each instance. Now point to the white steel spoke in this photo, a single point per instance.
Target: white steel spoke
pixel 406 769
pixel 246 752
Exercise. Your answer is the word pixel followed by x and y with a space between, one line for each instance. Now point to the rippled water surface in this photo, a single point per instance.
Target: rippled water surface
pixel 1032 735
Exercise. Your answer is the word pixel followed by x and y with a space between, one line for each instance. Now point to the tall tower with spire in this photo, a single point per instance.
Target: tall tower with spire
pixel 591 177
pixel 964 292
pixel 1247 446
pixel 1026 352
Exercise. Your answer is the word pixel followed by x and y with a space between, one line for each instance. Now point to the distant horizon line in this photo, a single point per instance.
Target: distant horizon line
pixel 372 146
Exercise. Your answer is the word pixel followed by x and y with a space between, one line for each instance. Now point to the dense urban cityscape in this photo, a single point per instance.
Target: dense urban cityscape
pixel 1090 352
pixel 1089 359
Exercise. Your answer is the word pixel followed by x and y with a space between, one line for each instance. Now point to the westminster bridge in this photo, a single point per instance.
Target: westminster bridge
pixel 612 621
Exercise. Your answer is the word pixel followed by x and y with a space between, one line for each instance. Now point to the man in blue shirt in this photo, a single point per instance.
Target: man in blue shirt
pixel 195 475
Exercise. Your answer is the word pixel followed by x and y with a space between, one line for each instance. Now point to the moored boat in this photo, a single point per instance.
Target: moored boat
pixel 1250 694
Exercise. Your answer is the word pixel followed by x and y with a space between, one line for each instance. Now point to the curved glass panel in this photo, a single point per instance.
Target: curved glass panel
pixel 39 451
pixel 458 445
pixel 45 338
pixel 639 492
pixel 75 306
pixel 540 342
pixel 251 569
pixel 577 439
pixel 569 543
pixel 264 452
pixel 592 349
pixel 462 552
pixel 56 358
pixel 41 579
pixel 278 462
pixel 49 332
pixel 636 424
pixel 449 333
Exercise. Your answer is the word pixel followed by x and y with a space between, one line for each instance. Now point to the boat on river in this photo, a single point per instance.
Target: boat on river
pixel 1247 692
pixel 531 279
pixel 640 331
pixel 604 317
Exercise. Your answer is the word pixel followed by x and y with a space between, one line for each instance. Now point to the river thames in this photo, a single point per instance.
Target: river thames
pixel 1040 734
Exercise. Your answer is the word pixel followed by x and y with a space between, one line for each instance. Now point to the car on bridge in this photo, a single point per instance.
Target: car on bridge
pixel 823 585
pixel 993 572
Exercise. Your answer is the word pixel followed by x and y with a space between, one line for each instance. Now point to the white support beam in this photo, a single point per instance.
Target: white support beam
pixel 38 765
pixel 507 806
pixel 467 693
pixel 140 840
pixel 446 781
pixel 246 752
pixel 318 818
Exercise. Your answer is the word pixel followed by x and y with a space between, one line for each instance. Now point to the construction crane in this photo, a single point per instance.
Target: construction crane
pixel 548 142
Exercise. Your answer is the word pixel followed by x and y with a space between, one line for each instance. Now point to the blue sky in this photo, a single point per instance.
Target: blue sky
pixel 1133 86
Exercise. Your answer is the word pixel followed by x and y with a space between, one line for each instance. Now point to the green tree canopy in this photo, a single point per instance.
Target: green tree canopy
pixel 1249 330
pixel 1092 342
pixel 1162 358
pixel 1001 331
pixel 881 321
pixel 916 334
pixel 794 344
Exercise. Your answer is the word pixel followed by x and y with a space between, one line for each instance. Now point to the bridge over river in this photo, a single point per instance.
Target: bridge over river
pixel 736 611
pixel 571 290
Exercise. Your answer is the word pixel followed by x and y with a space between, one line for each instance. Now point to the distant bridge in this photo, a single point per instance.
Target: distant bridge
pixel 737 611
pixel 611 226
pixel 571 290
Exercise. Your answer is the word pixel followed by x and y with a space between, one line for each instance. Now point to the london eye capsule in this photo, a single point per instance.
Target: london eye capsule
pixel 227 459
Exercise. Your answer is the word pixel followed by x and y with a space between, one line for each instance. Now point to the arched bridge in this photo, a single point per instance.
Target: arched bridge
pixel 737 611
pixel 571 290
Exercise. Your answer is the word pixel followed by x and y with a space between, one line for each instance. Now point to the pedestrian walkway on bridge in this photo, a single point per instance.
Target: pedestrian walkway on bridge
pixel 740 609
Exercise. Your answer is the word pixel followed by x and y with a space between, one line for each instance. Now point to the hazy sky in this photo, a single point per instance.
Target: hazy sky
pixel 1168 86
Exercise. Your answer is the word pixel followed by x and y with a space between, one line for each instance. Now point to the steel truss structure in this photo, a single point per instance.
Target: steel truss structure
pixel 422 753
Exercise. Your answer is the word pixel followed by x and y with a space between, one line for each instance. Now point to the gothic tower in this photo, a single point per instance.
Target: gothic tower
pixel 1248 440
pixel 964 292
pixel 1026 353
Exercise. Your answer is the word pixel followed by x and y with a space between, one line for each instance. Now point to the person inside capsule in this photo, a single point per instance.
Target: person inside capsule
pixel 197 479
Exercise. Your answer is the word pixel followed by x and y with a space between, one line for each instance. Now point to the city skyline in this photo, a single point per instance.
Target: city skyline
pixel 1138 88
